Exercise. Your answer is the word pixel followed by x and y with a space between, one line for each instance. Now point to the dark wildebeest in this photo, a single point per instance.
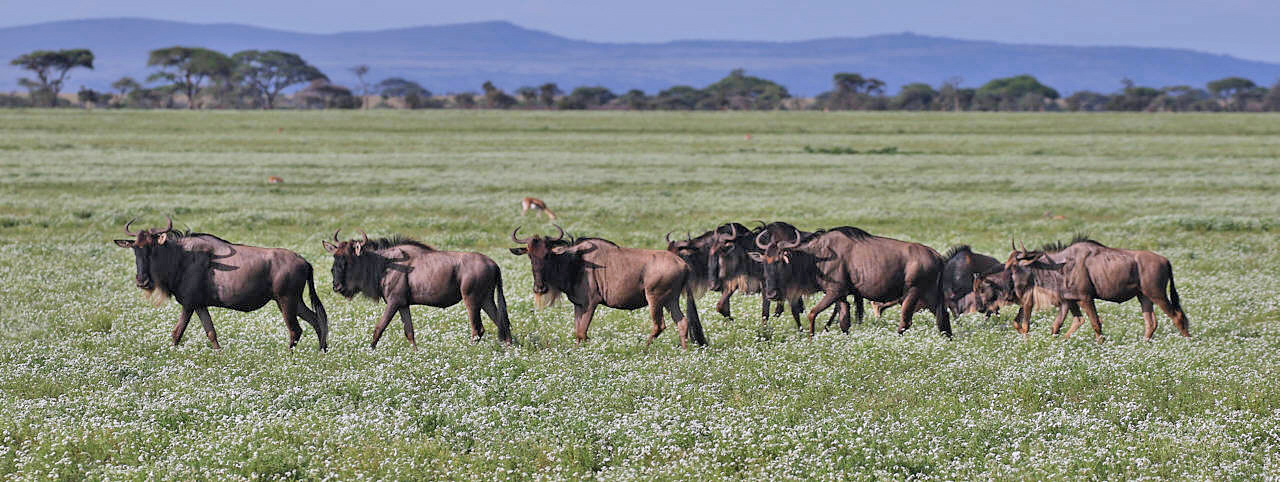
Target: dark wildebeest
pixel 594 271
pixel 701 253
pixel 731 264
pixel 962 267
pixel 849 261
pixel 201 270
pixel 403 272
pixel 1085 270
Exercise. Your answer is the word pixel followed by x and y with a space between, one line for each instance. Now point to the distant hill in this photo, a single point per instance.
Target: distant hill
pixel 456 58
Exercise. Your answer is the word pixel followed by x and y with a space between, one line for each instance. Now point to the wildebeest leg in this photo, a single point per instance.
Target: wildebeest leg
pixel 406 319
pixel 288 309
pixel 823 304
pixel 1077 321
pixel 181 327
pixel 582 320
pixel 857 303
pixel 1057 322
pixel 910 303
pixel 678 316
pixel 207 322
pixel 473 314
pixel 655 315
pixel 504 327
pixel 1092 312
pixel 314 321
pixel 1148 316
pixel 390 311
pixel 722 307
pixel 797 306
pixel 845 322
pixel 779 306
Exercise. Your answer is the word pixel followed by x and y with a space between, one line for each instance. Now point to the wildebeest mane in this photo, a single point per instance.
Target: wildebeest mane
pixel 577 241
pixel 397 240
pixel 1056 246
pixel 955 250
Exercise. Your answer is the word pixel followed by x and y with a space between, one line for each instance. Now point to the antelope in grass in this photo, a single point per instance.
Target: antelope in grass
pixel 536 205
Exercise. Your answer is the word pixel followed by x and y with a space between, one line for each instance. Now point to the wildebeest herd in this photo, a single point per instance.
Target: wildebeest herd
pixel 776 260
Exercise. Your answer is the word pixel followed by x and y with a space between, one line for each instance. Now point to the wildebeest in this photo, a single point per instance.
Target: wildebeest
pixel 731 265
pixel 1085 270
pixel 594 271
pixel 849 261
pixel 201 270
pixel 701 253
pixel 958 274
pixel 404 272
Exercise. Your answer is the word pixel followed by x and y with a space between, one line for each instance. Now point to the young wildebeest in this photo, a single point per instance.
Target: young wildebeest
pixel 849 261
pixel 403 272
pixel 594 271
pixel 201 270
pixel 962 267
pixel 1086 270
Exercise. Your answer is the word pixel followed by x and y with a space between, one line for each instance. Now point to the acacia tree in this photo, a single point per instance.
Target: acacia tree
pixel 547 93
pixel 187 68
pixel 273 71
pixel 360 71
pixel 51 68
pixel 1232 91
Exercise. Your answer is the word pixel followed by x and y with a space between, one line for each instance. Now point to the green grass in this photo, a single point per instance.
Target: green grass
pixel 89 387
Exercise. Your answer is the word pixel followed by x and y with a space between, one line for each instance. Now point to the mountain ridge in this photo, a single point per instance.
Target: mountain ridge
pixel 459 57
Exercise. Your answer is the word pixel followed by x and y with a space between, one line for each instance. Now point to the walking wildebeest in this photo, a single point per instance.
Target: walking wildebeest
pixel 404 272
pixel 731 265
pixel 1085 270
pixel 594 271
pixel 699 253
pixel 201 270
pixel 849 261
pixel 958 273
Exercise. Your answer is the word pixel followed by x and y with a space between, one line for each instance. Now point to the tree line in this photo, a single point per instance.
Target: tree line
pixel 199 78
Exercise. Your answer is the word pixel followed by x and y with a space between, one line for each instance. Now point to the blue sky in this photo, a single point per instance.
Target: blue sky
pixel 1243 28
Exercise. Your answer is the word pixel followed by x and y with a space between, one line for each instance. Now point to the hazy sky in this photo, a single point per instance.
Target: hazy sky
pixel 1243 28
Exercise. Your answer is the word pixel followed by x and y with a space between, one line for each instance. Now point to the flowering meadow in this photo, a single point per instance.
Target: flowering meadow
pixel 90 387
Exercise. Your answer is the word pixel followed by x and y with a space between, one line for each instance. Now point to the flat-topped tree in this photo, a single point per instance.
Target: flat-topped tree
pixel 187 68
pixel 272 71
pixel 51 68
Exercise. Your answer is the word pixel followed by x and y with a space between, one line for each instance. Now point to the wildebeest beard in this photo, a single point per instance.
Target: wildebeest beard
pixel 363 274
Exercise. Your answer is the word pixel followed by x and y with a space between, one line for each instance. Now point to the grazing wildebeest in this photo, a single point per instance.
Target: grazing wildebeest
pixel 201 270
pixel 849 261
pixel 958 274
pixel 593 271
pixel 1085 270
pixel 404 272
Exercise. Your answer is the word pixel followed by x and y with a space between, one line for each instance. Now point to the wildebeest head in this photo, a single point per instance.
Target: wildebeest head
pixel 775 256
pixel 993 290
pixel 551 260
pixel 346 255
pixel 726 257
pixel 155 253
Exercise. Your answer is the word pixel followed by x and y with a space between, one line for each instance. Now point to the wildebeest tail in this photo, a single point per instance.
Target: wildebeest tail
pixel 322 318
pixel 1177 302
pixel 503 322
pixel 940 302
pixel 691 314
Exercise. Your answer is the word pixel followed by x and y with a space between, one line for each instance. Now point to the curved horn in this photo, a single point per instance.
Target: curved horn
pixel 561 232
pixel 366 236
pixel 688 237
pixel 669 235
pixel 335 235
pixel 518 240
pixel 758 243
pixel 1022 247
pixel 1012 247
pixel 733 231
pixel 126 227
pixel 170 226
pixel 762 223
pixel 793 243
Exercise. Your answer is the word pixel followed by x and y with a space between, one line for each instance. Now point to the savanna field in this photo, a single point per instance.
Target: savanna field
pixel 90 387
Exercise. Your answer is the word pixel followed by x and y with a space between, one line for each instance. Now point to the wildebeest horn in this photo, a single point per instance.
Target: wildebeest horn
pixel 733 231
pixel 669 235
pixel 561 232
pixel 688 237
pixel 518 240
pixel 170 226
pixel 1022 247
pixel 366 236
pixel 762 224
pixel 758 243
pixel 126 227
pixel 793 243
pixel 335 235
pixel 1012 247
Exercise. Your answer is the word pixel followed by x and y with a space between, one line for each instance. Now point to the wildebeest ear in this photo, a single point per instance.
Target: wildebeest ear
pixel 124 243
pixel 755 256
pixel 519 251
pixel 330 247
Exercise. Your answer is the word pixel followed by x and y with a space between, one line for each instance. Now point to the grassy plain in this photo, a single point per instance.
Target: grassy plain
pixel 90 388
